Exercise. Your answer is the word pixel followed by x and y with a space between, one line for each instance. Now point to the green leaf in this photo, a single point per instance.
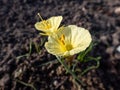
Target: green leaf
pixel 83 54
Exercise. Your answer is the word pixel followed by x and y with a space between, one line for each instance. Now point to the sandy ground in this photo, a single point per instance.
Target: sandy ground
pixel 17 19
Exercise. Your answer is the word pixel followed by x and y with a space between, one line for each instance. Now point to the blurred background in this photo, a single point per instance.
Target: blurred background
pixel 17 19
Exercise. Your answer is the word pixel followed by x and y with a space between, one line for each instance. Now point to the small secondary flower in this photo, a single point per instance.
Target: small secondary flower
pixel 50 25
pixel 68 41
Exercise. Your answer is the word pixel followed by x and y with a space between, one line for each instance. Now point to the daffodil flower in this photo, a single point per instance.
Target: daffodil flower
pixel 68 41
pixel 49 26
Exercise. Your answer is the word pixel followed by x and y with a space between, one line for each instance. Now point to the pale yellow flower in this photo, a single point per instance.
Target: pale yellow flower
pixel 50 25
pixel 68 41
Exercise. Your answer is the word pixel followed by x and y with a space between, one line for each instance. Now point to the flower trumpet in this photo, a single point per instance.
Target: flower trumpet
pixel 68 41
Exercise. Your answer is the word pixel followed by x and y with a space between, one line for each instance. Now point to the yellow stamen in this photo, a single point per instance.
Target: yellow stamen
pixel 62 39
pixel 45 22
pixel 65 46
pixel 62 42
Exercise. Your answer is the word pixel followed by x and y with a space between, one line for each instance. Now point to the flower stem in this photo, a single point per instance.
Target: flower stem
pixel 68 70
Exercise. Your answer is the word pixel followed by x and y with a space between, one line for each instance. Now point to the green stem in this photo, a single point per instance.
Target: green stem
pixel 89 68
pixel 54 61
pixel 27 54
pixel 26 84
pixel 68 70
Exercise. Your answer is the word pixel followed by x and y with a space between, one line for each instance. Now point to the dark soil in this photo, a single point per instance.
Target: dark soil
pixel 17 19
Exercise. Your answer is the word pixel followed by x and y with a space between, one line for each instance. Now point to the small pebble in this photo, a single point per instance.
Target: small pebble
pixel 101 86
pixel 89 82
pixel 4 80
pixel 95 80
pixel 62 88
pixel 118 48
pixel 109 50
pixel 117 10
pixel 51 73
pixel 59 70
pixel 55 83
